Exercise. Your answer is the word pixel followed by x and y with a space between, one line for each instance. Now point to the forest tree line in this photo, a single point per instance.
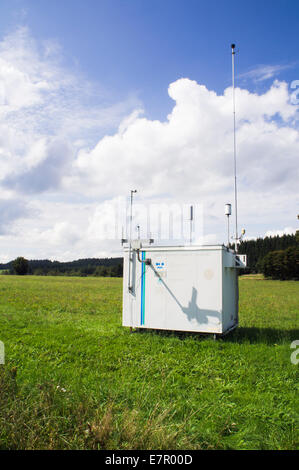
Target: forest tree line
pixel 110 267
pixel 276 257
pixel 256 250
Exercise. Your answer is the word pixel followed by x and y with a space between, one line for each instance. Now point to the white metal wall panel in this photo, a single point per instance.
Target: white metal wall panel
pixel 230 291
pixel 184 289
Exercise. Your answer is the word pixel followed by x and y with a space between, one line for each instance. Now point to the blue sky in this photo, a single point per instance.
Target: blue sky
pixel 140 46
pixel 98 97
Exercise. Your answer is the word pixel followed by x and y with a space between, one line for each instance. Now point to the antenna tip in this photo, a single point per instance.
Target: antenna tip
pixel 233 46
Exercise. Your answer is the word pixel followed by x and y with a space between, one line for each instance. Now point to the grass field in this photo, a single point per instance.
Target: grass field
pixel 74 378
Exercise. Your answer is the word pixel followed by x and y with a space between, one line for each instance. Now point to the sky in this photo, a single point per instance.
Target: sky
pixel 101 97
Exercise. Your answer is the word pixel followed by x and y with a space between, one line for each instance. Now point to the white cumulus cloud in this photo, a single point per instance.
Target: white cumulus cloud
pixel 61 168
pixel 280 233
pixel 190 153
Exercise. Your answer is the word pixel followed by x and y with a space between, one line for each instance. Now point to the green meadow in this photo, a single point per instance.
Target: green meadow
pixel 74 378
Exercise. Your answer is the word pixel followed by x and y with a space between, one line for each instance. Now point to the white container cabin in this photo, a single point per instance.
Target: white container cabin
pixel 181 288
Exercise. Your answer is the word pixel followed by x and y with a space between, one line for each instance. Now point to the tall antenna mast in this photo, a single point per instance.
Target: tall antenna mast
pixel 235 150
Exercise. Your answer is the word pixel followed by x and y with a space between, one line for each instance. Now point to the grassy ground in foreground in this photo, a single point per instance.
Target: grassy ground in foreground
pixel 75 378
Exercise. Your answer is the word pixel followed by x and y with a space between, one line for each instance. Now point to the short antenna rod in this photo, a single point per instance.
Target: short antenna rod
pixel 130 239
pixel 191 223
pixel 235 149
